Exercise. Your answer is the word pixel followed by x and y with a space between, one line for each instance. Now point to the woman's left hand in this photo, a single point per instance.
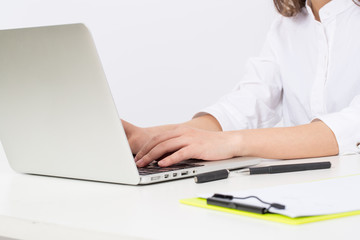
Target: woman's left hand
pixel 185 143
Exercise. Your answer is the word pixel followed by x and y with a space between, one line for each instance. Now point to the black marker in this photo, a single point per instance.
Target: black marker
pixel 212 176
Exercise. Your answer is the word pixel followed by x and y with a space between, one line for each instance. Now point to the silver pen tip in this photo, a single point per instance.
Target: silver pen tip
pixel 245 170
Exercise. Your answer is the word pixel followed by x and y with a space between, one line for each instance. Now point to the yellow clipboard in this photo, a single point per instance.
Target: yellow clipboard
pixel 201 202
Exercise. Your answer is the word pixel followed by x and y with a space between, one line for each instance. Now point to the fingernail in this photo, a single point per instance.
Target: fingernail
pixel 136 158
pixel 161 163
pixel 138 163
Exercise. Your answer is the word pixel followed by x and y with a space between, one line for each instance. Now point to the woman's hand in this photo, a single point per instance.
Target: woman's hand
pixel 184 142
pixel 137 137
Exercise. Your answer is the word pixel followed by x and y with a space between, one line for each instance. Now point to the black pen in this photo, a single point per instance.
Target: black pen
pixel 223 200
pixel 287 168
pixel 224 173
pixel 234 205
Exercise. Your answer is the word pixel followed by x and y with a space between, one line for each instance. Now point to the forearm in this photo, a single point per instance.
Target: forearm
pixel 205 122
pixel 309 140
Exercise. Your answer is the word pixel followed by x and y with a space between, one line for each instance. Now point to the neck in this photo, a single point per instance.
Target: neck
pixel 316 5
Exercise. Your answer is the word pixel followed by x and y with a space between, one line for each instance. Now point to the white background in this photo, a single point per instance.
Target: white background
pixel 164 59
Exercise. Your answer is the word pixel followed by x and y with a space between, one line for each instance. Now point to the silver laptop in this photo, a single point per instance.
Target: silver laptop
pixel 58 117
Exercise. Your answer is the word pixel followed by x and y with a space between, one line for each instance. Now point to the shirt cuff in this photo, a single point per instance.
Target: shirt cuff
pixel 346 129
pixel 226 123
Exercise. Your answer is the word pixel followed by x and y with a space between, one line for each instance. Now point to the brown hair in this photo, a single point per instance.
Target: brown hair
pixel 289 8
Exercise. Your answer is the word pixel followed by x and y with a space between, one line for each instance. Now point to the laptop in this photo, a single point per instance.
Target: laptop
pixel 58 117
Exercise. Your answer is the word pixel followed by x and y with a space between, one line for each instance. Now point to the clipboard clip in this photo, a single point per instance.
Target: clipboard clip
pixel 226 201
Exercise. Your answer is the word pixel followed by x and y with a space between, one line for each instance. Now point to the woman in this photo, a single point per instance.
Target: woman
pixel 307 74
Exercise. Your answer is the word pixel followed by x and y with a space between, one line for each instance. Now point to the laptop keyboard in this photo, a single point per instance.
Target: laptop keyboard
pixel 154 168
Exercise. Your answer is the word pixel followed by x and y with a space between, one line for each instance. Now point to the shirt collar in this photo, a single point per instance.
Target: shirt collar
pixel 331 9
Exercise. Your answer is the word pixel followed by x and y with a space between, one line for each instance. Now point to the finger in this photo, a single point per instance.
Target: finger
pixel 178 156
pixel 154 142
pixel 160 150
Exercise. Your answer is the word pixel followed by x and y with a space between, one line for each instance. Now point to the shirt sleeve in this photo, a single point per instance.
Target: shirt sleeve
pixel 345 125
pixel 256 100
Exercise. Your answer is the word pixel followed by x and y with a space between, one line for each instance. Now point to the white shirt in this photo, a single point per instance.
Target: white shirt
pixel 307 70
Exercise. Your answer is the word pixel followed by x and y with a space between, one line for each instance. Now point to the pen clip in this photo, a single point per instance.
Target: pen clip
pixel 223 196
pixel 230 198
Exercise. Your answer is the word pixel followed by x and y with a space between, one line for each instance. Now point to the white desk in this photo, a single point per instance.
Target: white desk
pixel 35 207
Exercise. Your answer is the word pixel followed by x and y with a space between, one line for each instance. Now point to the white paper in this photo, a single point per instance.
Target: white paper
pixel 308 199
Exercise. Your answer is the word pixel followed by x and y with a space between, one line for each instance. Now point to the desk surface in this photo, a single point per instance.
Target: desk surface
pixel 35 207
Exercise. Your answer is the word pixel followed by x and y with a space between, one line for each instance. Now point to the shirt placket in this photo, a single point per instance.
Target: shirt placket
pixel 318 105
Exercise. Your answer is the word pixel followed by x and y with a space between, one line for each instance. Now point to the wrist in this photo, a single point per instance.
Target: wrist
pixel 237 143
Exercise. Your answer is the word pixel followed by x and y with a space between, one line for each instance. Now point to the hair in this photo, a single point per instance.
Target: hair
pixel 290 8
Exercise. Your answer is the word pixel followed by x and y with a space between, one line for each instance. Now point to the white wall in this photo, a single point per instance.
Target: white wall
pixel 164 59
